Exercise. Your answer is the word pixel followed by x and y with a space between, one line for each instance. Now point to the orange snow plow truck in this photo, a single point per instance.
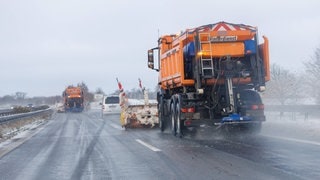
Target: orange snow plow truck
pixel 211 76
pixel 73 98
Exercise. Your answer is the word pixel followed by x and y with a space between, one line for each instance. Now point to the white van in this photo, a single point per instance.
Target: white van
pixel 110 104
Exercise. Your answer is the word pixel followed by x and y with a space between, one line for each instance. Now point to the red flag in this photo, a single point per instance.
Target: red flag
pixel 119 85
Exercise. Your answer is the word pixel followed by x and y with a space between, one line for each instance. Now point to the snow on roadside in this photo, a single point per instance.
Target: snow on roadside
pixel 12 133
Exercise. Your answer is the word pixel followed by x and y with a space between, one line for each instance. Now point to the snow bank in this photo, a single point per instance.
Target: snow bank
pixel 140 101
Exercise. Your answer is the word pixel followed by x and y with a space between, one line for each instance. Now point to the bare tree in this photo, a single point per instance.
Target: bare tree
pixel 83 86
pixel 313 75
pixel 7 99
pixel 21 95
pixel 88 96
pixel 99 91
pixel 284 85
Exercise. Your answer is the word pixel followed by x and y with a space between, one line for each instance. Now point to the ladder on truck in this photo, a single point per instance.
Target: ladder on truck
pixel 206 61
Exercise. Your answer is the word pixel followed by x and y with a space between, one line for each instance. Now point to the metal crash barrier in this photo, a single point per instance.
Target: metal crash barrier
pixel 11 117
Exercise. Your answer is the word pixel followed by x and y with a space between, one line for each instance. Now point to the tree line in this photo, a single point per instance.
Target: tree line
pixel 21 98
pixel 285 87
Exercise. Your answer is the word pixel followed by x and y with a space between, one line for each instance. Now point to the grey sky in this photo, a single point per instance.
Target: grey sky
pixel 46 45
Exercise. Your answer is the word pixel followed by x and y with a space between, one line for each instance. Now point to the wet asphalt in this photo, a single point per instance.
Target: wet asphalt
pixel 90 146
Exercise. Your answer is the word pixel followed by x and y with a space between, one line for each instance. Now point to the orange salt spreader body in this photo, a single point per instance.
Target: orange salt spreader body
pixel 209 73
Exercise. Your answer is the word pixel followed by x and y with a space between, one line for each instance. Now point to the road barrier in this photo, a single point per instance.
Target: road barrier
pixel 305 110
pixel 11 117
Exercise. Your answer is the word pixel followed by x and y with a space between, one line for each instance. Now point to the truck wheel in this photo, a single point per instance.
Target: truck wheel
pixel 178 121
pixel 162 117
pixel 173 119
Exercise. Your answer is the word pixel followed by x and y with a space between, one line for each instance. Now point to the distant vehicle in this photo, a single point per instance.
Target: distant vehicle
pixel 73 99
pixel 110 104
pixel 30 105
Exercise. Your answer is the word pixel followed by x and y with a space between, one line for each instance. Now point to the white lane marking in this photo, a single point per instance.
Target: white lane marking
pixel 295 140
pixel 148 145
pixel 116 126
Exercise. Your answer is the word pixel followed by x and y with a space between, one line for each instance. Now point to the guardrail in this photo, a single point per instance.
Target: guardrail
pixel 305 110
pixel 293 108
pixel 6 112
pixel 6 118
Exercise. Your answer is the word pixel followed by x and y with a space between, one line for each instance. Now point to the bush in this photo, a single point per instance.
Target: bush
pixel 21 109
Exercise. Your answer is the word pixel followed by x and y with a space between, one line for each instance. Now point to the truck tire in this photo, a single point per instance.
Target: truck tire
pixel 252 97
pixel 173 119
pixel 162 114
pixel 178 121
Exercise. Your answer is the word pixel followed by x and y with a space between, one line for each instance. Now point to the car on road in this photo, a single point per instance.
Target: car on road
pixel 110 104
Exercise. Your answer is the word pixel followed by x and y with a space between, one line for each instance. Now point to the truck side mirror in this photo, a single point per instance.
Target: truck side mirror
pixel 150 59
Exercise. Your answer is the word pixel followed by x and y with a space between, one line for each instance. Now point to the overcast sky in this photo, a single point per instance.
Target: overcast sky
pixel 46 45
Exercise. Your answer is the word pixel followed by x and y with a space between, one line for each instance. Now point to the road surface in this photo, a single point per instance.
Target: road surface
pixel 88 146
